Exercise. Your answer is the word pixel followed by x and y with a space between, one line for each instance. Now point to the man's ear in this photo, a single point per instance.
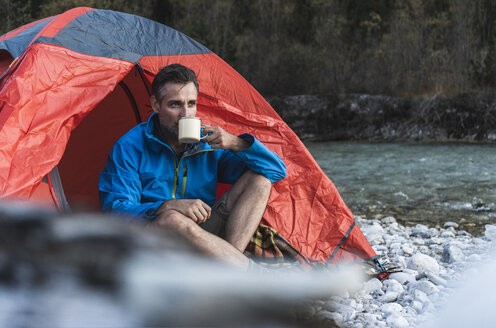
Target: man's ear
pixel 155 104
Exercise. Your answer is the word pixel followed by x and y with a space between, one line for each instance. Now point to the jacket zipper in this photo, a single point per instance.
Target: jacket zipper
pixel 185 172
pixel 185 178
pixel 176 169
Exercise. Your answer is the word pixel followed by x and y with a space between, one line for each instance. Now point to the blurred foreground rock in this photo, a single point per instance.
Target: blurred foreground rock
pixel 92 270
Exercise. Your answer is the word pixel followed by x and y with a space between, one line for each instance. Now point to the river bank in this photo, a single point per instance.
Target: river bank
pixel 436 264
pixel 467 117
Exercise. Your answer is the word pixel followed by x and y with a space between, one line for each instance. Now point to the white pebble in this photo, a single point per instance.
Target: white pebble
pixel 393 286
pixel 336 317
pixel 448 234
pixel 409 311
pixel 402 277
pixel 389 297
pixel 375 239
pixel 388 220
pixel 370 318
pixel 421 296
pixel 350 302
pixel 490 231
pixel 396 321
pixel 349 314
pixel 433 232
pixel 374 229
pixel 395 246
pixel 424 286
pixel 411 272
pixel 417 306
pixel 391 307
pixel 436 279
pixel 474 258
pixel 408 249
pixel 423 263
pixel 372 285
pixel 424 250
pixel 450 224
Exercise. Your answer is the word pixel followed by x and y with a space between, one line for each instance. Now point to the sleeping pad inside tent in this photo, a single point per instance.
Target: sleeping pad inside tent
pixel 72 84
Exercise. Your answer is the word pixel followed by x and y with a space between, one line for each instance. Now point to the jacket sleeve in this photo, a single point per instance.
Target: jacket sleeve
pixel 120 185
pixel 257 158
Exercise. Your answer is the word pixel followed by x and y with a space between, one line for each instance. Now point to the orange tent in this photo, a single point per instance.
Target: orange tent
pixel 72 84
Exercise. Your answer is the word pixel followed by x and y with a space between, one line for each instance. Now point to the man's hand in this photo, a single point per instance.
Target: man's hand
pixel 195 209
pixel 221 139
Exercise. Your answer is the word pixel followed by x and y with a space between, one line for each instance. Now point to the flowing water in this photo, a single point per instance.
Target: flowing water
pixel 415 183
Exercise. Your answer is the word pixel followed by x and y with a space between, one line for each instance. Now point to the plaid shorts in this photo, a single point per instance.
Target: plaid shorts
pixel 216 224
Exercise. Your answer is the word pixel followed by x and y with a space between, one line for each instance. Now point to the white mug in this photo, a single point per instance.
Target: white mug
pixel 189 129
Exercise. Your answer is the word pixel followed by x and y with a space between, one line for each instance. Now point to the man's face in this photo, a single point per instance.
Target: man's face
pixel 179 100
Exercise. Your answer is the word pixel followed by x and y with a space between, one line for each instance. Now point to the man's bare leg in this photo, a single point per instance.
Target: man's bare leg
pixel 246 202
pixel 205 241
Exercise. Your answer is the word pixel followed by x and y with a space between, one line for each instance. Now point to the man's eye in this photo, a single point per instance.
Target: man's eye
pixel 192 103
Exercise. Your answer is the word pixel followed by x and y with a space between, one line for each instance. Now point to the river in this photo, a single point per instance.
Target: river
pixel 414 182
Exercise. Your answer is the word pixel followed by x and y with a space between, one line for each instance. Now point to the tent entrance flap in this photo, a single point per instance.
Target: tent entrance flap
pixel 91 141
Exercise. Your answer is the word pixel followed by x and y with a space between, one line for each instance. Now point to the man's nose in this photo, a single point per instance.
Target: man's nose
pixel 187 112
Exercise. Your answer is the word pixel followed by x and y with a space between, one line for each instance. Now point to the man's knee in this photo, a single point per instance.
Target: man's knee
pixel 259 182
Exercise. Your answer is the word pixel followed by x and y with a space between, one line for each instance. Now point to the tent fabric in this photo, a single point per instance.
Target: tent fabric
pixel 87 61
pixel 16 44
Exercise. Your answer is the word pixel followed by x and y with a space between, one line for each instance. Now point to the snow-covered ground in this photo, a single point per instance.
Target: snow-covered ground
pixel 436 263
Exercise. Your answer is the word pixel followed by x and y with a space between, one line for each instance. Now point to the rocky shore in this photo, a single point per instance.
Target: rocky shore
pixel 435 262
pixel 468 117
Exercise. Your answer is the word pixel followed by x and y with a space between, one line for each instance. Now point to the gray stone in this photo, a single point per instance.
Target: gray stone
pixel 452 254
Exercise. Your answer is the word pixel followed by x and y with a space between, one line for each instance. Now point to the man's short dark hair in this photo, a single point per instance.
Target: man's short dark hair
pixel 175 73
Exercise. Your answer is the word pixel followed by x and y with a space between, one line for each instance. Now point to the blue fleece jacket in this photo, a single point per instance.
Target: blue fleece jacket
pixel 142 170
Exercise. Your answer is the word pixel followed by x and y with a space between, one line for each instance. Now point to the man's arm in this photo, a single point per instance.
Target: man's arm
pixel 246 153
pixel 195 209
pixel 219 138
pixel 120 185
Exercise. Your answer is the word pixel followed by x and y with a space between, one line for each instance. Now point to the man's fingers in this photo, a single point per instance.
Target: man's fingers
pixel 203 213
pixel 199 216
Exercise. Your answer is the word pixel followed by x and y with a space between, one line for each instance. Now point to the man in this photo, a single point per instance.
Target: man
pixel 151 175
